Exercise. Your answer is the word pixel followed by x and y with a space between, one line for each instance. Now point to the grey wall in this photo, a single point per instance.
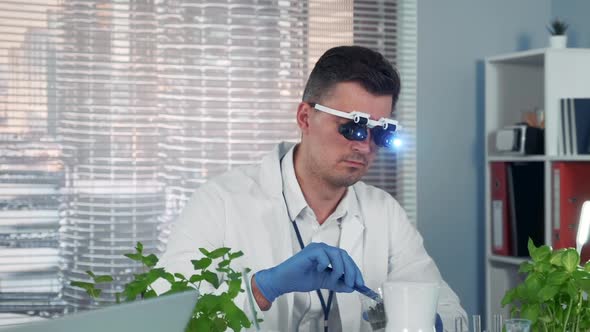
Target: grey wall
pixel 454 36
pixel 577 14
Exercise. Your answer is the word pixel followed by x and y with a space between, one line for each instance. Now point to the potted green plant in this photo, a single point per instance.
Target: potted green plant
pixel 554 293
pixel 214 312
pixel 557 29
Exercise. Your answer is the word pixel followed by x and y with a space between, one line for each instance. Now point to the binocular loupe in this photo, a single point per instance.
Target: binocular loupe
pixel 383 131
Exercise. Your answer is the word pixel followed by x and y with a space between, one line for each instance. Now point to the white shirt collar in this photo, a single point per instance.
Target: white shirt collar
pixel 295 200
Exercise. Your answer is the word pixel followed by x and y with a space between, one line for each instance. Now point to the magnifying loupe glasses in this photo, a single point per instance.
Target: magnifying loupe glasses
pixel 383 130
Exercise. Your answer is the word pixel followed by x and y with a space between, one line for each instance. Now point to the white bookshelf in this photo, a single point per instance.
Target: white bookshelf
pixel 513 83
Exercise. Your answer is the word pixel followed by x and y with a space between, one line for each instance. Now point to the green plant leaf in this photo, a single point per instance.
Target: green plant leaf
pixel 234 275
pixel 557 278
pixel 81 284
pixel 204 252
pixel 548 292
pixel 90 288
pixel 234 287
pixel 149 294
pixel 103 279
pixel 583 283
pixel 223 269
pixel 200 324
pixel 219 324
pixel 532 248
pixel 196 278
pixel 531 312
pixel 533 284
pixel 521 292
pixel 139 248
pixel 179 276
pixel 235 255
pixel 91 274
pixel 95 292
pixel 580 274
pixel 202 263
pixel 508 297
pixel 133 289
pixel 154 274
pixel 211 278
pixel 539 254
pixel 179 286
pixel 587 266
pixel 571 259
pixel 217 253
pixel 209 303
pixel 543 267
pixel 557 27
pixel 168 277
pixel 224 263
pixel 150 260
pixel 526 267
pixel 557 257
pixel 571 289
pixel 135 257
pixel 236 318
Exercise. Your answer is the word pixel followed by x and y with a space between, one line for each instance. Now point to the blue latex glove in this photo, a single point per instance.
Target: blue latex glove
pixel 308 271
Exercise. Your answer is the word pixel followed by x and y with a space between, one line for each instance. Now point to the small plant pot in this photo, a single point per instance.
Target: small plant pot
pixel 558 41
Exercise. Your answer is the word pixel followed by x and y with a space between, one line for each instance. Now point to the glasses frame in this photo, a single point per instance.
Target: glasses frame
pixel 360 118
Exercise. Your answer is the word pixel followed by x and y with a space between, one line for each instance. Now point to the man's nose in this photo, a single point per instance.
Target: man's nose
pixel 363 146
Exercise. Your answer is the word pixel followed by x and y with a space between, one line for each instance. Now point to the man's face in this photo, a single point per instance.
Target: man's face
pixel 329 156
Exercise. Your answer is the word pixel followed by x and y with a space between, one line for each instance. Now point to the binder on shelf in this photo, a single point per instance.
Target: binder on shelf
pixel 565 137
pixel 581 112
pixel 526 205
pixel 575 126
pixel 571 187
pixel 501 241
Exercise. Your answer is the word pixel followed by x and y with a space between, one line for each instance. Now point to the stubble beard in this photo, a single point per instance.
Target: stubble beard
pixel 336 178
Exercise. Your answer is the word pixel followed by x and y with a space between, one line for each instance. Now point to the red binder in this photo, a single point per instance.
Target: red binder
pixel 571 187
pixel 501 239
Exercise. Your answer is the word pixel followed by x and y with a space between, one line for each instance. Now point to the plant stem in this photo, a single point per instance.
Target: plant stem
pixel 578 313
pixel 551 314
pixel 567 316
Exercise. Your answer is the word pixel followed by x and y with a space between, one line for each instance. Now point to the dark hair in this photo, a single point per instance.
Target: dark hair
pixel 352 64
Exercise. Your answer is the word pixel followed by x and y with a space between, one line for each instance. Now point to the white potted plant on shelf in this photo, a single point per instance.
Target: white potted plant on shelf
pixel 557 29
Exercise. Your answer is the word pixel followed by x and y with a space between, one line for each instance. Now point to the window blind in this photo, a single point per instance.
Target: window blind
pixel 112 112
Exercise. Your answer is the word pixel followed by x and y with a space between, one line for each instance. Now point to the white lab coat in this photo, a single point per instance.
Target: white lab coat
pixel 244 210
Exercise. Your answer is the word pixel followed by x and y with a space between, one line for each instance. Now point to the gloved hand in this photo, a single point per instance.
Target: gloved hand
pixel 308 271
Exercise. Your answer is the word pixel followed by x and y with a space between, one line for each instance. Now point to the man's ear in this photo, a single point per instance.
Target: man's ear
pixel 304 111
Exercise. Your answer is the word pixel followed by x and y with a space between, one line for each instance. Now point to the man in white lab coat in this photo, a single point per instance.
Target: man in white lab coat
pixel 302 217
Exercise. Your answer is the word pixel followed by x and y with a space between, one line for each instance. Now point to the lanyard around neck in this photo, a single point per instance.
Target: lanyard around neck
pixel 325 306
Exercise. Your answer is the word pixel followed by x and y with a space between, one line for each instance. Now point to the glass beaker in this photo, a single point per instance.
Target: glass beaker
pixel 374 312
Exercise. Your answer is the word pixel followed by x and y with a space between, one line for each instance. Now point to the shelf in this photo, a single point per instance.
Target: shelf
pixel 571 158
pixel 514 83
pixel 517 158
pixel 531 57
pixel 534 57
pixel 508 259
